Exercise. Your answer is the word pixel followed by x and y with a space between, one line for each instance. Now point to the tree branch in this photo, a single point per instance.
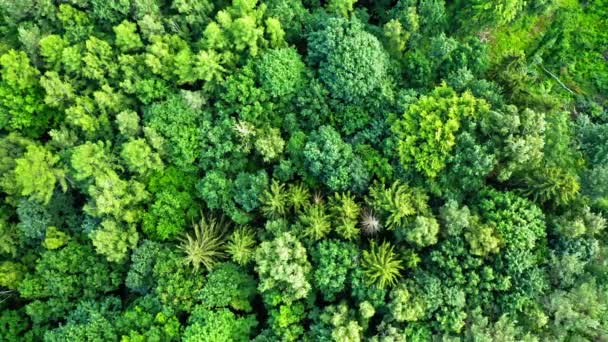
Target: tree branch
pixel 558 80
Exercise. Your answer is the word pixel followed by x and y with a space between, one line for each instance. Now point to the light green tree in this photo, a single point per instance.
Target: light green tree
pixel 35 175
pixel 283 268
pixel 114 241
pixel 426 133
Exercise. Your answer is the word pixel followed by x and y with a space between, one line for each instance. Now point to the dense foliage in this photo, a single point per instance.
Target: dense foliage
pixel 303 170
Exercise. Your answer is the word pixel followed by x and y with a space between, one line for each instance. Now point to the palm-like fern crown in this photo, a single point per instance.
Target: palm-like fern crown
pixel 344 207
pixel 316 222
pixel 299 197
pixel 275 201
pixel 242 245
pixel 381 265
pixel 345 212
pixel 396 201
pixel 206 246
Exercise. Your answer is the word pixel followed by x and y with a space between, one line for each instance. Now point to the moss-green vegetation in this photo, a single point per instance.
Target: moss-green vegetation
pixel 303 170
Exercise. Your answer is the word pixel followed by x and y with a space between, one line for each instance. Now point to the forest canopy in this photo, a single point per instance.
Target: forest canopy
pixel 303 170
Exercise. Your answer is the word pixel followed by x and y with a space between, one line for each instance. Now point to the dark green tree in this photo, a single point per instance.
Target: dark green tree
pixel 351 62
pixel 332 160
pixel 333 260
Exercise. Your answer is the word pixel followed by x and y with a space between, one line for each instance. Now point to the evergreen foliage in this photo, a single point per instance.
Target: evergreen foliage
pixel 303 170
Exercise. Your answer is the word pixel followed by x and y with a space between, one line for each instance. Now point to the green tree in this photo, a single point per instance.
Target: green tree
pixel 127 37
pixel 55 238
pixel 482 238
pixel 219 192
pixel 419 69
pixel 140 276
pixel 128 123
pixel 77 24
pixel 175 286
pixel 15 325
pixel 36 218
pixel 484 329
pixel 518 222
pixel 468 167
pixel 433 18
pixel 281 71
pixel 351 62
pixel 35 175
pixel 332 261
pixel 396 37
pixel 162 55
pixel 173 204
pixel 228 285
pixel 51 49
pixel 59 92
pixel 21 105
pixel 332 160
pixel 114 241
pixel 90 319
pixel 299 197
pixel 139 157
pixel 593 140
pixel 248 189
pixel 184 66
pixel 208 67
pixel 269 143
pixel 177 123
pixel 8 238
pixel 517 138
pixel 275 200
pixel 89 159
pixel 341 7
pixel 12 274
pixel 111 12
pixel 406 305
pixel 110 195
pixel 291 15
pixel 579 313
pixel 551 185
pixel 286 322
pixel 192 14
pixel 99 61
pixel 219 325
pixel 239 31
pixel 147 319
pixel 423 231
pixel 64 276
pixel 283 268
pixel 337 323
pixel 427 132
